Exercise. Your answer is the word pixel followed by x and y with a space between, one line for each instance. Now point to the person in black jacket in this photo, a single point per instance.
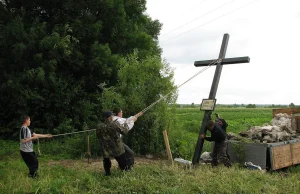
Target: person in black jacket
pixel 219 150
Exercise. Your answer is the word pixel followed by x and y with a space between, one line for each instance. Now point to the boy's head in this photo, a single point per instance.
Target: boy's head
pixel 210 125
pixel 118 112
pixel 26 120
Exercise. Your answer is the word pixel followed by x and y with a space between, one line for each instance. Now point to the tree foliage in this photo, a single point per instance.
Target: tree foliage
pixel 251 106
pixel 142 82
pixel 292 105
pixel 55 53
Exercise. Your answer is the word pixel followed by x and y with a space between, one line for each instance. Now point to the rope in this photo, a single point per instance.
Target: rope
pixel 73 133
pixel 163 97
pixel 38 145
pixel 154 103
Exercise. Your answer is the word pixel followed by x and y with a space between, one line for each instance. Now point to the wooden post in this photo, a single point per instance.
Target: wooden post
pixel 168 147
pixel 88 148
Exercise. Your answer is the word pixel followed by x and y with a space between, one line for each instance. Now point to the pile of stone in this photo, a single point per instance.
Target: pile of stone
pixel 279 130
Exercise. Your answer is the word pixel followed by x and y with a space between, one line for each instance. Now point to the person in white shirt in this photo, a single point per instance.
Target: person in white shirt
pixel 128 123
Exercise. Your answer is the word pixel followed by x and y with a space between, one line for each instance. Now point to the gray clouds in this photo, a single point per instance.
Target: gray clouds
pixel 268 34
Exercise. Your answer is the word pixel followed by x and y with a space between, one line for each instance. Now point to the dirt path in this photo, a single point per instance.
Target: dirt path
pixel 96 164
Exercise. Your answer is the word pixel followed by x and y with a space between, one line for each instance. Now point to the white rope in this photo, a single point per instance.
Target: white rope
pixel 73 132
pixel 163 97
pixel 154 103
pixel 38 145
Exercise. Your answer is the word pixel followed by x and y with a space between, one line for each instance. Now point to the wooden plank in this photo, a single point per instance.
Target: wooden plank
pixel 289 111
pixel 168 147
pixel 281 156
pixel 295 150
pixel 225 61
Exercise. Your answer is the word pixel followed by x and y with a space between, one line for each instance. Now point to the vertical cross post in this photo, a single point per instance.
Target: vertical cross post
pixel 212 95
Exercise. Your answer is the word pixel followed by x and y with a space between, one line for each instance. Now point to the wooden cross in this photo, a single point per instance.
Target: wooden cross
pixel 220 62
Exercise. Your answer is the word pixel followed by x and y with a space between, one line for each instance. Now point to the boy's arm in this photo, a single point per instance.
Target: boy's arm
pixel 130 121
pixel 135 117
pixel 42 135
pixel 126 124
pixel 22 136
pixel 28 139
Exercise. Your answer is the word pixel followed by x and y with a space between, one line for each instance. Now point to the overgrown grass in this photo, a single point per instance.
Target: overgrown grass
pixel 157 177
pixel 150 177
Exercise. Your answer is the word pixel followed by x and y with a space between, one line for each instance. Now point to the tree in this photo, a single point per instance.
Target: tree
pixel 55 53
pixel 193 105
pixel 142 82
pixel 292 105
pixel 251 106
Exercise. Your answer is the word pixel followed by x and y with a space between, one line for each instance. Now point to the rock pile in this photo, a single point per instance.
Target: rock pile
pixel 279 130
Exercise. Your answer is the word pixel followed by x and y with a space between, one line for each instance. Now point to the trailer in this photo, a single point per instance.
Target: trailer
pixel 270 156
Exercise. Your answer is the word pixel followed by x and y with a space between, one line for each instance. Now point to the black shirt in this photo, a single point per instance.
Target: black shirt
pixel 217 134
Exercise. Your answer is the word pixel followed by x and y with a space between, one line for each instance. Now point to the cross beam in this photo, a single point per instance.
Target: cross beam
pixel 226 61
pixel 214 88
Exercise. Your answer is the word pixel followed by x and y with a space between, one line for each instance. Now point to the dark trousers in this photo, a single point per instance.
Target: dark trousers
pixel 129 155
pixel 219 153
pixel 31 162
pixel 122 161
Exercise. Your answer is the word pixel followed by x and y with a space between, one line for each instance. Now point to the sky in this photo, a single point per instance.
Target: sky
pixel 268 31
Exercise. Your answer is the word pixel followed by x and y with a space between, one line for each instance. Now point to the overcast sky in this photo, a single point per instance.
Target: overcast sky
pixel 268 31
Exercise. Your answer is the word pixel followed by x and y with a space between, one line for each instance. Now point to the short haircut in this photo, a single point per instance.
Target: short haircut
pixel 117 110
pixel 24 118
pixel 210 124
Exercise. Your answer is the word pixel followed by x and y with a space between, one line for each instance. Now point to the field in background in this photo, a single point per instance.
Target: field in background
pixel 186 122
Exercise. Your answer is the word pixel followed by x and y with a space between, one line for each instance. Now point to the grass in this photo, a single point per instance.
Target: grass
pixel 64 175
pixel 154 177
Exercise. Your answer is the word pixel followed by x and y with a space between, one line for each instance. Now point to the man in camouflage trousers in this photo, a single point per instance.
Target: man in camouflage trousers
pixel 111 143
pixel 219 150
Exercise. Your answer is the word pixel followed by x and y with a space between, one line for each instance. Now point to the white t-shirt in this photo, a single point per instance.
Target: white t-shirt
pixel 123 121
pixel 26 133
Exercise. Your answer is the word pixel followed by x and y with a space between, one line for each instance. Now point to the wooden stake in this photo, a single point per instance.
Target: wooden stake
pixel 168 147
pixel 89 149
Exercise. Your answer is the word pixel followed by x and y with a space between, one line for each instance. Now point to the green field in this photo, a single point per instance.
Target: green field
pixel 64 175
pixel 186 122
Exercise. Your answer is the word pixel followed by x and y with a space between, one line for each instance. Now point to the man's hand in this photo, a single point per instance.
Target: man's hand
pixel 139 114
pixel 134 118
pixel 49 135
pixel 202 136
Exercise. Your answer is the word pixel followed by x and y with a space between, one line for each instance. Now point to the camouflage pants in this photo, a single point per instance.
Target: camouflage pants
pixel 219 153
